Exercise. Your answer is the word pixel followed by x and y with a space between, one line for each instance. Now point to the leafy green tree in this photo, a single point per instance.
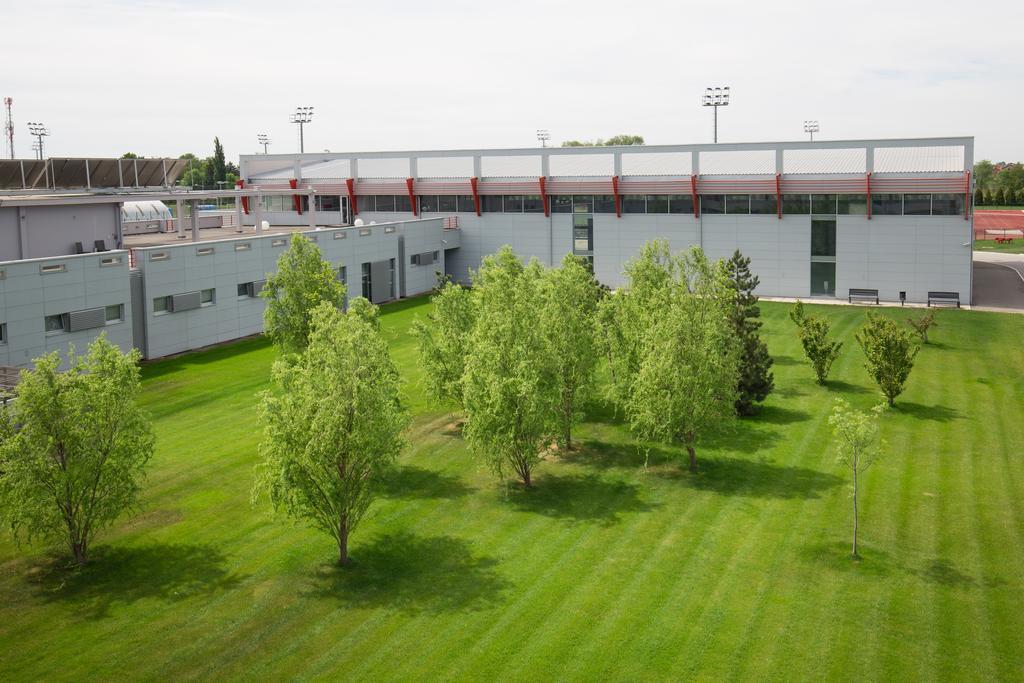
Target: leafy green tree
pixel 855 435
pixel 333 427
pixel 302 282
pixel 443 341
pixel 368 312
pixel 130 155
pixel 979 196
pixel 984 172
pixel 687 382
pixel 508 387
pixel 219 165
pixel 568 317
pixel 923 324
pixel 755 377
pixel 75 447
pixel 818 348
pixel 890 351
pixel 614 140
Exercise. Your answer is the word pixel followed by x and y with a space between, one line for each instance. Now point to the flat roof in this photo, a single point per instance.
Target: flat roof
pixel 157 239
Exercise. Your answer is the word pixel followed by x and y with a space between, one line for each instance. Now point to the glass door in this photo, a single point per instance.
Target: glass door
pixel 823 257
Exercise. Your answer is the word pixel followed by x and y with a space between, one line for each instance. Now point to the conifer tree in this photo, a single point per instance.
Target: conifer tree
pixel 755 379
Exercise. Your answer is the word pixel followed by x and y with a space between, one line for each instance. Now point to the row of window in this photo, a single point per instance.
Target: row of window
pixel 165 304
pixel 60 322
pixel 887 204
pixel 281 203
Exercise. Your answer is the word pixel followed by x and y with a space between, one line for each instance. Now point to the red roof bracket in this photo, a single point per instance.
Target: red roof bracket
pixel 693 193
pixel 618 198
pixel 240 184
pixel 967 195
pixel 350 184
pixel 868 180
pixel 296 202
pixel 474 185
pixel 544 196
pixel 778 195
pixel 410 183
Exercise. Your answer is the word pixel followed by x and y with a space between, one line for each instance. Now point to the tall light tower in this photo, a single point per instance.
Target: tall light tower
pixel 263 140
pixel 302 116
pixel 812 128
pixel 39 131
pixel 543 135
pixel 9 126
pixel 716 97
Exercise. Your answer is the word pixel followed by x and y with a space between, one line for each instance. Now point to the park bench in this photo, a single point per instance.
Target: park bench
pixel 862 295
pixel 944 298
pixel 1004 240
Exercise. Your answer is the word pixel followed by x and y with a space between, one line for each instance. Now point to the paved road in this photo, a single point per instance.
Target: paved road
pixel 999 281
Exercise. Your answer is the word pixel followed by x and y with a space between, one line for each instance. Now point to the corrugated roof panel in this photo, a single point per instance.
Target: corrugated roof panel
pixel 582 165
pixel 383 168
pixel 260 170
pixel 445 167
pixel 747 162
pixel 510 166
pixel 824 161
pixel 919 159
pixel 652 163
pixel 335 168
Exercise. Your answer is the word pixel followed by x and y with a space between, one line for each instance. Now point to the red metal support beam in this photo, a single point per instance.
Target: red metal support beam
pixel 868 177
pixel 410 183
pixel 544 196
pixel 296 201
pixel 967 195
pixel 240 184
pixel 618 198
pixel 778 195
pixel 474 185
pixel 350 183
pixel 696 199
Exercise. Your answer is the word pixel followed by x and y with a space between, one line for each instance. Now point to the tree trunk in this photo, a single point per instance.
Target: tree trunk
pixel 855 514
pixel 693 457
pixel 525 474
pixel 343 543
pixel 79 550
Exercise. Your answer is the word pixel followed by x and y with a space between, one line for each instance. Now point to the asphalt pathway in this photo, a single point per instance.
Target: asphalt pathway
pixel 998 281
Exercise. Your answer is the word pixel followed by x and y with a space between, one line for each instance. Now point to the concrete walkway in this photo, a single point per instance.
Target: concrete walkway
pixel 998 282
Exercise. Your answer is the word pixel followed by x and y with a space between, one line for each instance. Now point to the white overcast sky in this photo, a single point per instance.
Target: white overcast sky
pixel 164 77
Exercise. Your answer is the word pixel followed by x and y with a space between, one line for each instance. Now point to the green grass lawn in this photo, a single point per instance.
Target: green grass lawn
pixel 1014 247
pixel 603 571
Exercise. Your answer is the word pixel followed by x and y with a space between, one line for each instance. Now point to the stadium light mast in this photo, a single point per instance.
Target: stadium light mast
pixel 716 97
pixel 812 128
pixel 263 140
pixel 302 116
pixel 39 131
pixel 543 135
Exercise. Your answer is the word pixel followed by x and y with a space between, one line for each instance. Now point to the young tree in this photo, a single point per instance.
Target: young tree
pixel 443 341
pixel 755 377
pixel 76 446
pixel 818 348
pixel 333 427
pixel 890 351
pixel 302 282
pixel 855 435
pixel 368 312
pixel 567 318
pixel 923 324
pixel 508 385
pixel 687 380
pixel 219 165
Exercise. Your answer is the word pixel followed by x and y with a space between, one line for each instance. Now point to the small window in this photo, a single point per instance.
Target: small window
pixel 446 204
pixel 311 238
pixel 110 261
pixel 53 268
pixel 402 203
pixel 634 203
pixel 279 242
pixel 343 275
pixel 532 203
pixel 55 323
pixel 712 203
pixel 917 204
pixel 364 232
pixel 944 205
pixel 466 203
pixel 113 314
pixel 796 203
pixel 206 297
pixel 513 203
pixel 3 276
pixel 763 204
pixel 385 202
pixel 243 289
pixel 604 203
pixel 737 203
pixel 491 203
pixel 340 234
pixel 889 204
pixel 853 204
pixel 243 246
pixel 389 228
pixel 204 251
pixel 561 203
pixel 582 203
pixel 657 203
pixel 428 203
pixel 161 305
pixel 823 204
pixel 3 333
pixel 159 255
pixel 680 203
pixel 437 256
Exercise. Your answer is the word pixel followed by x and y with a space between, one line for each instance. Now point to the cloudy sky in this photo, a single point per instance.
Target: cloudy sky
pixel 163 77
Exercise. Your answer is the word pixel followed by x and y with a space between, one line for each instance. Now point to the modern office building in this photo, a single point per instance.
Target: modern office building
pixel 816 218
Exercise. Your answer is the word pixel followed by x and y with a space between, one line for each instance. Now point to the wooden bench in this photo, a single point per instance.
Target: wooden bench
pixel 944 298
pixel 863 295
pixel 1004 240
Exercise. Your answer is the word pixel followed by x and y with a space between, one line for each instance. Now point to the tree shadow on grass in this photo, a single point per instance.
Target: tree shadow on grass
pixel 580 497
pixel 837 386
pixel 945 573
pixel 123 575
pixel 412 574
pixel 937 413
pixel 788 360
pixel 410 482
pixel 604 410
pixel 754 478
pixel 835 555
pixel 776 415
pixel 606 455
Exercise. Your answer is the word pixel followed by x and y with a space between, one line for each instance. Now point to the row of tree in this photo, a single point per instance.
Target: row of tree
pixel 999 183
pixel 998 196
pixel 205 173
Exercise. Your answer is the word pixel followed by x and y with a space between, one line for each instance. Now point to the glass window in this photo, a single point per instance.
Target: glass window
pixel 403 203
pixel 917 205
pixel 657 203
pixel 712 203
pixel 491 203
pixel 513 203
pixel 242 289
pixel 561 203
pixel 54 323
pixel 763 204
pixel 366 280
pixel 582 203
pixel 680 203
pixel 737 203
pixel 206 297
pixel 853 204
pixel 446 203
pixel 634 203
pixel 532 203
pixel 604 203
pixel 466 203
pixel 160 304
pixel 3 333
pixel 428 203
pixel 823 238
pixel 343 275
pixel 887 204
pixel 582 222
pixel 823 279
pixel 328 202
pixel 796 203
pixel 947 204
pixel 823 203
pixel 113 314
pixel 391 266
pixel 385 202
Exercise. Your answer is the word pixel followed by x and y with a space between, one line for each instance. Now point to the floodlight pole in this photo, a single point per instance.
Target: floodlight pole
pixel 715 98
pixel 302 116
pixel 811 127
